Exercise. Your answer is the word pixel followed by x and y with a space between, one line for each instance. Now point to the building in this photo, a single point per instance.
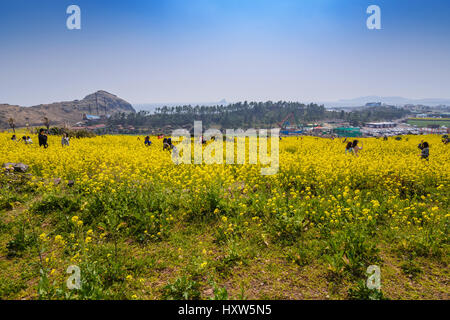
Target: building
pixel 291 132
pixel 381 125
pixel 90 117
pixel 347 132
pixel 323 129
pixel 96 127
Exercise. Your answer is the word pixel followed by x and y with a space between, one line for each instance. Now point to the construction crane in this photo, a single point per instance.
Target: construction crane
pixel 282 123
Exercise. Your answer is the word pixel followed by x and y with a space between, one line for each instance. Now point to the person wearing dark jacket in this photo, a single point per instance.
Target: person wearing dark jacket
pixel 147 141
pixel 420 146
pixel 425 147
pixel 42 139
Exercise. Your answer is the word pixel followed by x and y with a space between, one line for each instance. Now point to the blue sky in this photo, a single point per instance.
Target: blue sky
pixel 207 50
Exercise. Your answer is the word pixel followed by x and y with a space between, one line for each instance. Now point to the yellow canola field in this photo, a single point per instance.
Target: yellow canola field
pixel 108 161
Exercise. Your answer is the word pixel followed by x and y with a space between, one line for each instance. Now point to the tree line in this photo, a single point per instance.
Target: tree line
pixel 252 115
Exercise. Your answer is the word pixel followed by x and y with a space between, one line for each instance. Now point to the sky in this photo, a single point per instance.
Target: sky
pixel 149 51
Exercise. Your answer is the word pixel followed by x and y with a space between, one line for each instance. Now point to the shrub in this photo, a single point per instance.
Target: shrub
pixel 182 289
pixel 351 250
pixel 20 242
pixel 361 292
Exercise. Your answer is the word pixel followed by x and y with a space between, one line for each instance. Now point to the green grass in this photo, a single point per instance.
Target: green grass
pixel 137 251
pixel 425 123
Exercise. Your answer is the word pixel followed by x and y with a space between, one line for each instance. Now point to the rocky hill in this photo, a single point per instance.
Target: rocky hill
pixel 99 103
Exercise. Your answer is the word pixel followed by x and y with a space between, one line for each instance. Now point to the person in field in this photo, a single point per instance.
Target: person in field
pixel 147 141
pixel 422 145
pixel 28 140
pixel 14 138
pixel 65 140
pixel 425 150
pixel 356 148
pixel 42 137
pixel 349 147
pixel 166 145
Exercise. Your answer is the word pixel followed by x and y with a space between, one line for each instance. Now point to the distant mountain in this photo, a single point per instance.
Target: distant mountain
pixel 98 103
pixel 398 101
pixel 151 107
